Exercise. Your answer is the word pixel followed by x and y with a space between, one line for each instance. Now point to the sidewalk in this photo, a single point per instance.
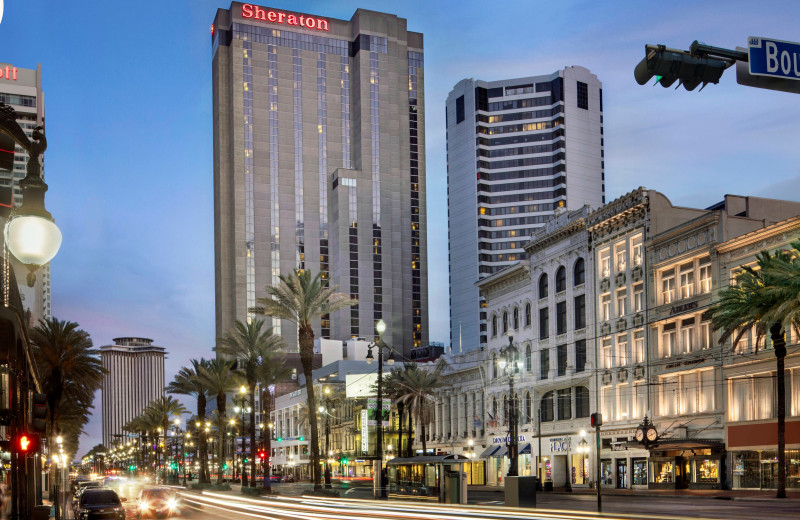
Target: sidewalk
pixel 724 494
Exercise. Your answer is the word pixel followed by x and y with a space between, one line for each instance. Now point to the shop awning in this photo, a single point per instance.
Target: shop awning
pixel 488 452
pixel 526 450
pixel 679 444
pixel 501 452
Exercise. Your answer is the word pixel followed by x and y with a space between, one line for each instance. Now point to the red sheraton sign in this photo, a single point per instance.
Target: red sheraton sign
pixel 259 13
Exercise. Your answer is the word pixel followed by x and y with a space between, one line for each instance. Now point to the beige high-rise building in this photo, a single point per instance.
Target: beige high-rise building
pixel 319 164
pixel 135 378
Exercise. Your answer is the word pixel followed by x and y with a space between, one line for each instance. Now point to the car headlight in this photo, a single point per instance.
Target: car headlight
pixel 172 503
pixel 144 505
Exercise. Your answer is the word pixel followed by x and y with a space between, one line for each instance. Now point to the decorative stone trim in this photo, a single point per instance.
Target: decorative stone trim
pixel 620 279
pixel 638 372
pixel 606 377
pixel 638 320
pixel 604 285
pixel 605 329
pixel 636 273
pixel 622 324
pixel 622 376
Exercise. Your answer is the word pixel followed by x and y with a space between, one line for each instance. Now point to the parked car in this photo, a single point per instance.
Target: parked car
pixel 156 501
pixel 99 504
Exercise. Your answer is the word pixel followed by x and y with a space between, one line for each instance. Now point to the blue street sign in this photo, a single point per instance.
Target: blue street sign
pixel 775 58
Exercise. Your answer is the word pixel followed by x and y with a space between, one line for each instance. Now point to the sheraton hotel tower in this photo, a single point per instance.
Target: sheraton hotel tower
pixel 319 164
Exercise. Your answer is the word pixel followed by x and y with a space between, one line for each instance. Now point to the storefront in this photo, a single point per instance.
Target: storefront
pixel 687 463
pixel 753 457
pixel 623 463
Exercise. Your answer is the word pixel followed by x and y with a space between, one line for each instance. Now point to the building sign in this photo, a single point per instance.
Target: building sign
pixel 504 440
pixel 255 12
pixel 364 431
pixel 372 407
pixel 560 444
pixel 618 446
pixel 682 308
pixel 8 72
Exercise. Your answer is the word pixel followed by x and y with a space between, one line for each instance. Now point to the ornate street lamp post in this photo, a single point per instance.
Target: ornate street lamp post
pixel 511 365
pixel 243 400
pixel 380 328
pixel 326 409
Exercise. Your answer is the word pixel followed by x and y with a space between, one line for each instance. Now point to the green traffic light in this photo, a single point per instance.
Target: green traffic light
pixel 301 438
pixel 658 79
pixel 279 439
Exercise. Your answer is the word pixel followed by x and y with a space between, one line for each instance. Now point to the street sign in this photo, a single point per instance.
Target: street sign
pixel 743 77
pixel 775 58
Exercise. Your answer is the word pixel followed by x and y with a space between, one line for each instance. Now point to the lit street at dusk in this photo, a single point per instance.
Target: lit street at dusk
pixel 376 260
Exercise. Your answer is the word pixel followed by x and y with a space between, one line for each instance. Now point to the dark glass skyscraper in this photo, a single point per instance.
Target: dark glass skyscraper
pixel 319 164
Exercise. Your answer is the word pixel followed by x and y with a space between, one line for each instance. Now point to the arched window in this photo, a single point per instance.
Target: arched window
pixel 543 286
pixel 579 272
pixel 516 318
pixel 505 410
pixel 527 314
pixel 494 365
pixel 505 322
pixel 561 279
pixel 494 325
pixel 528 408
pixel 528 363
pixel 496 419
pixel 581 402
pixel 547 407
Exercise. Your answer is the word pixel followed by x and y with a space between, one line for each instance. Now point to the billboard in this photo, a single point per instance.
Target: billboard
pixel 360 385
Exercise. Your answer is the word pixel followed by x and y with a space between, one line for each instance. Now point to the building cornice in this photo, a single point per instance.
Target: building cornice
pixel 790 225
pixel 618 213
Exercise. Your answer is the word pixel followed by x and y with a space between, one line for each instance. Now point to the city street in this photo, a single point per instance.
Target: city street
pixel 231 505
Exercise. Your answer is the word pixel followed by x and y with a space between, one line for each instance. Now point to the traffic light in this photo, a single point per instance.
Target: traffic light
pixel 670 66
pixel 39 413
pixel 596 420
pixel 301 438
pixel 279 439
pixel 28 443
pixel 262 455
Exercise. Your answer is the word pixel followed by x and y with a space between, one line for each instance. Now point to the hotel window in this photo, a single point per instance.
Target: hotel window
pixel 706 337
pixel 620 257
pixel 608 354
pixel 605 263
pixel 565 404
pixel 687 280
pixel 528 366
pixel 544 363
pixel 668 286
pixel 638 346
pixel 505 322
pixel 705 274
pixel 580 355
pixel 639 399
pixel 561 318
pixel 623 392
pixel 561 355
pixel 494 325
pixel 638 297
pixel 687 336
pixel 516 318
pixel 707 390
pixel 605 307
pixel 583 95
pixel 688 393
pixel 527 314
pixel 668 341
pixel 636 250
pixel 579 272
pixel 622 301
pixel 622 350
pixel 580 312
pixel 667 395
pixel 543 286
pixel 546 407
pixel 544 323
pixel 607 401
pixel 561 279
pixel 582 404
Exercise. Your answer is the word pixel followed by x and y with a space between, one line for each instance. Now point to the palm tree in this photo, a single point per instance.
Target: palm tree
pixel 161 411
pixel 301 298
pixel 270 371
pixel 187 382
pixel 420 386
pixel 71 372
pixel 146 426
pixel 248 344
pixel 765 298
pixel 220 378
pixel 394 389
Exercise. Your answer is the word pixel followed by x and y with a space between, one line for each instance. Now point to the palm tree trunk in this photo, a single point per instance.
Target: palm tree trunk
pixel 400 410
pixel 203 477
pixel 422 431
pixel 306 334
pixel 252 434
pixel 410 440
pixel 779 344
pixel 221 433
pixel 266 403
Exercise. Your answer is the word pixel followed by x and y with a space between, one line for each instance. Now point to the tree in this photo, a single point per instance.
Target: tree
pixel 301 298
pixel 765 298
pixel 395 389
pixel 219 377
pixel 71 372
pixel 271 371
pixel 188 382
pixel 248 344
pixel 420 386
pixel 160 411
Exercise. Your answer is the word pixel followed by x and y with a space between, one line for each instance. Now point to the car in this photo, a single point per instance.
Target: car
pixel 157 501
pixel 99 504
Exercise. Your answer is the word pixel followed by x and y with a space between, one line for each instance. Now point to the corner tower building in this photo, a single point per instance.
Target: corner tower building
pixel 517 151
pixel 319 164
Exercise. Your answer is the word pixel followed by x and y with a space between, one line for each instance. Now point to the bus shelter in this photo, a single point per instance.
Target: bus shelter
pixel 429 477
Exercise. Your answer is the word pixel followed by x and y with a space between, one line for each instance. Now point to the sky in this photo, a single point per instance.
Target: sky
pixel 128 122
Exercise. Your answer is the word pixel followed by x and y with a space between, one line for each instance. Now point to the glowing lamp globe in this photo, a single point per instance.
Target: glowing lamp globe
pixel 33 240
pixel 380 327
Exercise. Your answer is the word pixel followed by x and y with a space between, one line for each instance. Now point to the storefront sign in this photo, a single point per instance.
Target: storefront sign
pixel 693 361
pixel 559 444
pixel 504 440
pixel 8 72
pixel 618 446
pixel 682 308
pixel 372 406
pixel 258 13
pixel 364 430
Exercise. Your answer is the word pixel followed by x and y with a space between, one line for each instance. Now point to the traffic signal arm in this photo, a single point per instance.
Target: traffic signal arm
pixel 702 64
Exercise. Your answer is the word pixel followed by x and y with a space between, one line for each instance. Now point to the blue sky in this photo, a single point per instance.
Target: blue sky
pixel 128 107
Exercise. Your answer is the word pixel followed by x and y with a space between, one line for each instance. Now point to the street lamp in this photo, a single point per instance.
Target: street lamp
pixel 243 400
pixel 31 232
pixel 511 364
pixel 380 328
pixel 326 410
pixel 583 448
